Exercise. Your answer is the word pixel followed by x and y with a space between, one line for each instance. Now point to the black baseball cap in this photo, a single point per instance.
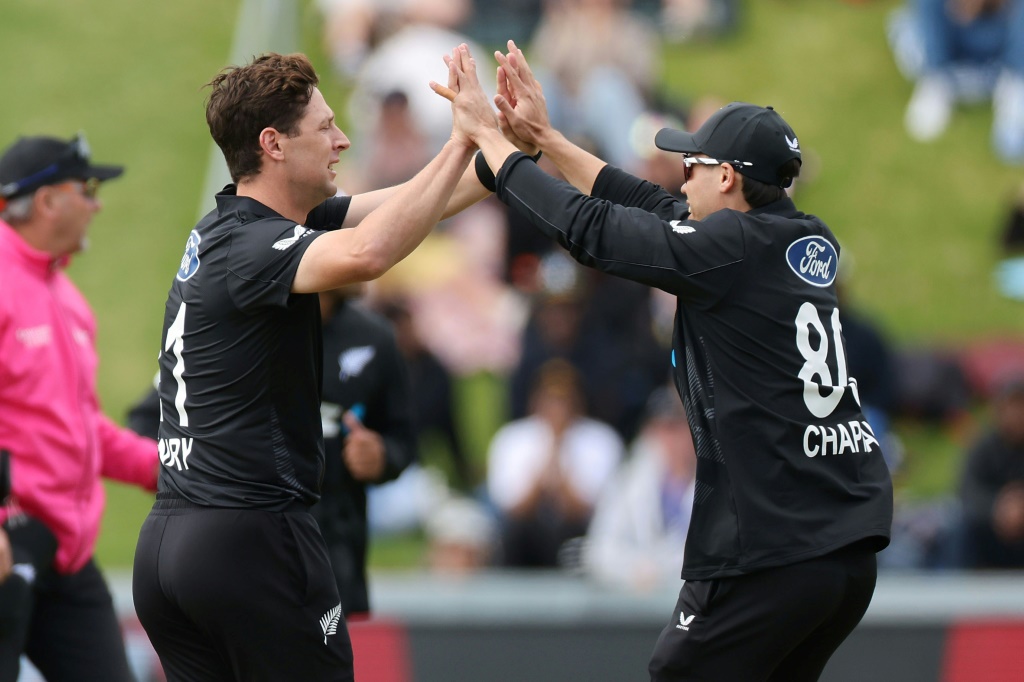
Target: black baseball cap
pixel 740 133
pixel 33 162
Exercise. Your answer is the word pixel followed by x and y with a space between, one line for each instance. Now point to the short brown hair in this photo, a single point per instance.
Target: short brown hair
pixel 270 92
pixel 757 193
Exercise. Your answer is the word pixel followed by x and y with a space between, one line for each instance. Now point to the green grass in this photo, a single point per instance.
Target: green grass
pixel 921 220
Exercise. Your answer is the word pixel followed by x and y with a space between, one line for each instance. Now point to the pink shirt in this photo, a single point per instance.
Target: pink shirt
pixel 50 418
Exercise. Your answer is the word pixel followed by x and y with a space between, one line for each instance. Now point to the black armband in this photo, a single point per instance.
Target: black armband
pixel 484 173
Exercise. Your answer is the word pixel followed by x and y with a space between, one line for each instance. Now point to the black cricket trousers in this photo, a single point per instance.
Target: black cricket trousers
pixel 776 625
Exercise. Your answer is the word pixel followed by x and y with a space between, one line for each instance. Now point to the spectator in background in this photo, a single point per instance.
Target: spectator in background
pixel 600 325
pixel 871 362
pixel 546 471
pixel 1010 270
pixel 992 485
pixel 461 537
pixel 353 28
pixel 964 50
pixel 432 396
pixel 396 147
pixel 638 531
pixel 685 20
pixel 366 412
pixel 598 65
pixel 400 55
pixel 55 606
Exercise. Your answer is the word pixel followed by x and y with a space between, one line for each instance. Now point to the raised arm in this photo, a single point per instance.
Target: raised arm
pixel 521 107
pixel 467 192
pixel 401 219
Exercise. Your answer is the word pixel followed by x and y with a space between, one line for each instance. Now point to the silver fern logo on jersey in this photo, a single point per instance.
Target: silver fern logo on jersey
pixel 353 361
pixel 814 260
pixel 190 259
pixel 299 233
pixel 329 621
pixel 679 228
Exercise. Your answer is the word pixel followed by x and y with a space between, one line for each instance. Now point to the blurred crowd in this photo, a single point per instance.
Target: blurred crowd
pixel 591 465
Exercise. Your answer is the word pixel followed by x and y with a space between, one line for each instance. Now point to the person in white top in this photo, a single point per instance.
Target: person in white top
pixel 545 472
pixel 637 535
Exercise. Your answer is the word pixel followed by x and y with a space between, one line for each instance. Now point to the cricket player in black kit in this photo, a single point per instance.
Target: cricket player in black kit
pixel 232 579
pixel 369 436
pixel 793 498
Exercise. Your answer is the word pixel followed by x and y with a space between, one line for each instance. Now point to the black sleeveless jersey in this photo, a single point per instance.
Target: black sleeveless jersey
pixel 787 466
pixel 240 361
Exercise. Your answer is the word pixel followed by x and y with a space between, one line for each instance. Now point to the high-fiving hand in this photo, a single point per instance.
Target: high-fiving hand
pixel 471 111
pixel 520 99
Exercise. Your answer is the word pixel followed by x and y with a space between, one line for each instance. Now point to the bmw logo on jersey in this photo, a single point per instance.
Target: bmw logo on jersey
pixel 814 260
pixel 190 259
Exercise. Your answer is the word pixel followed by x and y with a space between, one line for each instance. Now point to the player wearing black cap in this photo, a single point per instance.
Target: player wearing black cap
pixel 793 497
pixel 232 580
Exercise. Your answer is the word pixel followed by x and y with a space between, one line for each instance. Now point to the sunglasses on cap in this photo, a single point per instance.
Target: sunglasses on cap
pixel 690 161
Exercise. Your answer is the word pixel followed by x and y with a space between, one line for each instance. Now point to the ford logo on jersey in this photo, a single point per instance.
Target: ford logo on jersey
pixel 190 259
pixel 814 260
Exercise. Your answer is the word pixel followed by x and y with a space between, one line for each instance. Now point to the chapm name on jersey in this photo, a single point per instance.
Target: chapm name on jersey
pixel 174 452
pixel 853 436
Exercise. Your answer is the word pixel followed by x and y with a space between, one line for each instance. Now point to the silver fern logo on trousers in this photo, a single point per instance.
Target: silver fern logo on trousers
pixel 329 621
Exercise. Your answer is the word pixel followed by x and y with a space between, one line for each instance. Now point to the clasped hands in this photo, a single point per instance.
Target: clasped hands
pixel 521 115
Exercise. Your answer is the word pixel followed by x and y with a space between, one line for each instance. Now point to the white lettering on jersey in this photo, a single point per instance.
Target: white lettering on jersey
pixel 854 437
pixel 330 419
pixel 300 232
pixel 170 448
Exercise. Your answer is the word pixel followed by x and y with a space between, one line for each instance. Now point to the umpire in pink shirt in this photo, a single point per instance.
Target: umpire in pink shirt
pixel 55 606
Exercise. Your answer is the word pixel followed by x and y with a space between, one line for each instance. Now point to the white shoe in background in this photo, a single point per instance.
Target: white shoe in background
pixel 930 108
pixel 1008 117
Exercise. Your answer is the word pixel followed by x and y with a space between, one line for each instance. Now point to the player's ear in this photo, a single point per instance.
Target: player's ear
pixel 728 178
pixel 270 143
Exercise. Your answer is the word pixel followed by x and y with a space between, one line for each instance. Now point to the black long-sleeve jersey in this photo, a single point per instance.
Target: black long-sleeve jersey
pixel 240 361
pixel 787 466
pixel 363 372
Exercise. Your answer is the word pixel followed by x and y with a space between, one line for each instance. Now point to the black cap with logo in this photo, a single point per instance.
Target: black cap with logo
pixel 756 138
pixel 33 162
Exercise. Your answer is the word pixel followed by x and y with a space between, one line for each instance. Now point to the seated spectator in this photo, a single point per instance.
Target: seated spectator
pixel 1010 269
pixel 353 28
pixel 964 51
pixel 546 470
pixel 462 537
pixel 432 394
pixel 870 360
pixel 408 37
pixel 598 63
pixel 685 20
pixel 600 325
pixel 639 528
pixel 992 485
